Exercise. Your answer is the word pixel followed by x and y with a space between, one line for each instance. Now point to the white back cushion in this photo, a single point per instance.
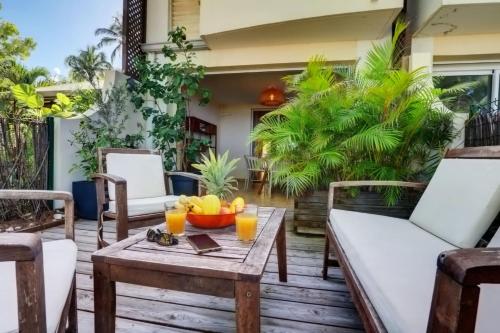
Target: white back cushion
pixel 143 173
pixel 461 201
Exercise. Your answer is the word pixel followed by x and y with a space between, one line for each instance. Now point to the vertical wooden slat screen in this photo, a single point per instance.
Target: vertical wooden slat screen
pixel 186 13
pixel 134 25
pixel 483 127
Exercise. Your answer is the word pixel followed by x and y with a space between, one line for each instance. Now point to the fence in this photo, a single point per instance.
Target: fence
pixel 483 127
pixel 24 164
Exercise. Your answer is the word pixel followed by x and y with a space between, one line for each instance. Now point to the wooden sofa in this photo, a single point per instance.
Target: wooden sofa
pixel 390 264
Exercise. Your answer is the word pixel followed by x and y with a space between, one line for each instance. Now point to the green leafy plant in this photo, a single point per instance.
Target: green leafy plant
pixel 216 174
pixel 104 128
pixel 30 105
pixel 173 83
pixel 370 120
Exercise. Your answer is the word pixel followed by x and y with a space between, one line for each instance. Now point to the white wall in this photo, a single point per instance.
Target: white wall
pixel 235 124
pixel 65 154
pixel 208 113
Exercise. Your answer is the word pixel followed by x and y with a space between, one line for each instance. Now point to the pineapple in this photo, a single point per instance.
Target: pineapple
pixel 215 174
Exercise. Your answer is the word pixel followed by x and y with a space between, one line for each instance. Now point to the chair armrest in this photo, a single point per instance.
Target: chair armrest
pixel 456 294
pixel 109 177
pixel 359 183
pixel 184 174
pixel 47 195
pixel 26 250
pixel 19 246
pixel 471 267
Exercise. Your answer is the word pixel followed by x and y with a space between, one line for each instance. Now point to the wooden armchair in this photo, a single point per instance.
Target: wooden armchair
pixel 132 189
pixel 40 278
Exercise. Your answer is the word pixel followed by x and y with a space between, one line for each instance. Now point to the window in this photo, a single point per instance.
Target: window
pixel 186 13
pixel 478 93
pixel 484 88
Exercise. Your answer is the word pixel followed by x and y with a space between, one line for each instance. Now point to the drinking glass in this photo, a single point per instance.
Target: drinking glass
pixel 175 220
pixel 246 223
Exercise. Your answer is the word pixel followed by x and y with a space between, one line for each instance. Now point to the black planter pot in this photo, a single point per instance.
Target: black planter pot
pixel 84 194
pixel 184 185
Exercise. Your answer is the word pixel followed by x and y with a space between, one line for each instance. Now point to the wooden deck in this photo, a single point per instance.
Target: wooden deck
pixel 306 303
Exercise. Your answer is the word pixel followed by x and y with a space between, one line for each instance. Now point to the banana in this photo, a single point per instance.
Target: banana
pixel 178 205
pixel 196 209
pixel 183 199
pixel 195 201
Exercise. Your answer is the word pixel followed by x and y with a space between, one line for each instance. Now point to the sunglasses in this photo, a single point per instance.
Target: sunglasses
pixel 161 238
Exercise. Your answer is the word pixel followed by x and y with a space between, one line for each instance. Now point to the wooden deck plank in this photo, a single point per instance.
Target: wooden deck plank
pixel 306 303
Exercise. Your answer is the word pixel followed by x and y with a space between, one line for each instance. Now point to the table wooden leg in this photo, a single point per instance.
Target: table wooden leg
pixel 247 296
pixel 281 250
pixel 104 299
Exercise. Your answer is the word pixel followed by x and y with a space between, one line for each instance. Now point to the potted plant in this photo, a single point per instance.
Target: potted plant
pixel 103 128
pixel 372 120
pixel 213 210
pixel 163 93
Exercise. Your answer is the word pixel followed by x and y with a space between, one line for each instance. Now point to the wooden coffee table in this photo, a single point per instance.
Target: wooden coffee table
pixel 234 272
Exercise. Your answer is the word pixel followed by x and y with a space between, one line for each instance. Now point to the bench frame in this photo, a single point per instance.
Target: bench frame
pixel 459 272
pixel 26 250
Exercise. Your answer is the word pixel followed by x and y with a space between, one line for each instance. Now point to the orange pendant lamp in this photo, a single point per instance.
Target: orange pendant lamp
pixel 272 96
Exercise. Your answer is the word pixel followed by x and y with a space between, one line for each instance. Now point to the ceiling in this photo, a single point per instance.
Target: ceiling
pixel 481 18
pixel 346 27
pixel 242 88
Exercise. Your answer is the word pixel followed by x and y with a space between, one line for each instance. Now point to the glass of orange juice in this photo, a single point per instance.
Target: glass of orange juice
pixel 246 223
pixel 175 220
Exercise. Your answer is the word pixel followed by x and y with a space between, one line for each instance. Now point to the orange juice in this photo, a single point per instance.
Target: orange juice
pixel 176 221
pixel 246 226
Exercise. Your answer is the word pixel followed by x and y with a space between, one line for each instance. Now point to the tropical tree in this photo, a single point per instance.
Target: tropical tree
pixel 88 65
pixel 12 45
pixel 370 120
pixel 17 73
pixel 112 36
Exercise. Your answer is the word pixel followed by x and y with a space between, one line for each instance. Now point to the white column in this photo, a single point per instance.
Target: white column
pixel 158 22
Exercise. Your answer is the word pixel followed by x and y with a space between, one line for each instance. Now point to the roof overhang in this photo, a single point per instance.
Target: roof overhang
pixel 295 23
pixel 434 18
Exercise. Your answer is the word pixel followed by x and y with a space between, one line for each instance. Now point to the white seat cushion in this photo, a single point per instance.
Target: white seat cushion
pixel 146 205
pixel 488 320
pixel 461 201
pixel 143 173
pixel 395 262
pixel 59 264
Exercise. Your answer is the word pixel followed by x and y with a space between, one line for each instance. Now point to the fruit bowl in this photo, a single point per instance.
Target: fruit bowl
pixel 211 221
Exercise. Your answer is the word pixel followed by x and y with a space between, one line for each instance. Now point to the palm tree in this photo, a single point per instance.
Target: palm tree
pixel 88 65
pixel 113 35
pixel 17 73
pixel 370 120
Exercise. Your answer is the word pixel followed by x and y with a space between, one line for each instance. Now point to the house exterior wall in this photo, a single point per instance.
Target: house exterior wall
pixel 65 155
pixel 261 36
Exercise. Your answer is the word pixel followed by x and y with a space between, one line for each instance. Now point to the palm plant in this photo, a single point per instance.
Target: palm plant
pixel 370 120
pixel 215 174
pixel 113 35
pixel 17 73
pixel 88 65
